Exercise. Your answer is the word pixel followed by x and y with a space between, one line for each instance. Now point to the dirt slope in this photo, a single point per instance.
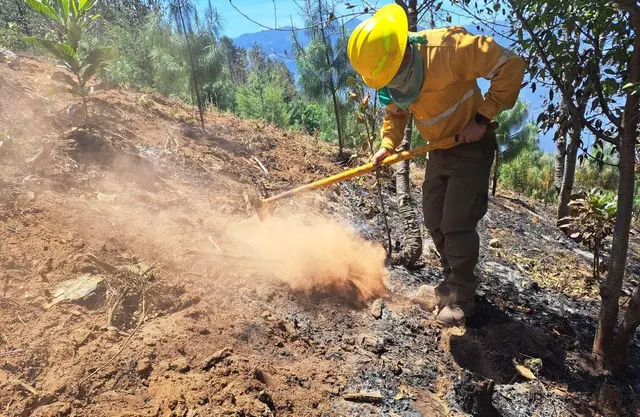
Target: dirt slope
pixel 201 310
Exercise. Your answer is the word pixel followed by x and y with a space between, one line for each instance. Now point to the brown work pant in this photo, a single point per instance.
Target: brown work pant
pixel 454 198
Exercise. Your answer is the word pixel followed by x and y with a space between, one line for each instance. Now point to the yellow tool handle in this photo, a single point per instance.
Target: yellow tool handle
pixel 354 172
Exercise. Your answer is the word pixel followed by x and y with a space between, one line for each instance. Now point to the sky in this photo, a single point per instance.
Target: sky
pixel 262 11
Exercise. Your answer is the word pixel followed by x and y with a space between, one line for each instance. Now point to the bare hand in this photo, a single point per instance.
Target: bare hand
pixel 472 132
pixel 379 156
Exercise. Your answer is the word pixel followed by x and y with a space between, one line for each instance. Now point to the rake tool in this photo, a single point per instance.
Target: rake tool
pixel 262 205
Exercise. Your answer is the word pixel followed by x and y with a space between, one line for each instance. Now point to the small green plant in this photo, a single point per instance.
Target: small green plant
pixel 70 19
pixel 592 220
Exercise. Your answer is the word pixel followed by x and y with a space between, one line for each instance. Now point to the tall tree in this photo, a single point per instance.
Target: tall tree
pixel 323 64
pixel 183 12
pixel 235 59
pixel 608 66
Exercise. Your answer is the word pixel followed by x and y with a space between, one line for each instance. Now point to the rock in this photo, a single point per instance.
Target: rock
pixel 9 57
pixel 144 367
pixel 216 358
pixel 107 198
pixel 372 343
pixel 180 364
pixel 259 375
pixel 495 243
pixel 64 409
pixel 376 308
pixel 265 398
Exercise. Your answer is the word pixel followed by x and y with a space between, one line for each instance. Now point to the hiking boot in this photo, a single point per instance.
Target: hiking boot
pixel 455 312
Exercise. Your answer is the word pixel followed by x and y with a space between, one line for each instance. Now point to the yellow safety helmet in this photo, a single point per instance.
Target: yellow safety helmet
pixel 377 45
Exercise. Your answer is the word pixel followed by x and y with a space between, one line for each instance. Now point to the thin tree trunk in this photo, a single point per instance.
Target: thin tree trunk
pixel 336 107
pixel 496 162
pixel 612 288
pixel 193 69
pixel 412 235
pixel 336 112
pixel 627 330
pixel 569 173
pixel 561 149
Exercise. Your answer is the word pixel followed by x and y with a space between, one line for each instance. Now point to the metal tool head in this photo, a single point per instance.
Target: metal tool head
pixel 262 210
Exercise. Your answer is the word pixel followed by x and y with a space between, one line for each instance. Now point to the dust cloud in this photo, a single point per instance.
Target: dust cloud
pixel 314 254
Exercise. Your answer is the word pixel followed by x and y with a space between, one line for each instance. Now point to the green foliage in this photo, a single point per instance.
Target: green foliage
pixel 262 102
pixel 71 19
pixel 323 67
pixel 11 38
pixel 514 133
pixel 235 59
pixel 530 173
pixel 599 173
pixel 592 220
pixel 310 117
pixel 221 94
pixel 583 49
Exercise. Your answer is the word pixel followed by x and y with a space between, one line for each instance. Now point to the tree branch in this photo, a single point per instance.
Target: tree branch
pixel 559 84
pixel 294 28
pixel 595 76
pixel 582 148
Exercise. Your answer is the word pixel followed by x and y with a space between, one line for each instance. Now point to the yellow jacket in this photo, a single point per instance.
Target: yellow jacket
pixel 450 96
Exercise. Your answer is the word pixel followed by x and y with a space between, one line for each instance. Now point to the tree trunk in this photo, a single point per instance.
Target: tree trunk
pixel 196 88
pixel 612 288
pixel 561 149
pixel 336 107
pixel 566 188
pixel 627 330
pixel 496 162
pixel 336 112
pixel 412 236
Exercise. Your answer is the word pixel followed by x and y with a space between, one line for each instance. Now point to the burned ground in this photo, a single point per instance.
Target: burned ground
pixel 198 312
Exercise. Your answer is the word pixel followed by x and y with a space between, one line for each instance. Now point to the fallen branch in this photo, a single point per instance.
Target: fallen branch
pixel 124 345
pixel 104 265
pixel 24 385
pixel 260 165
pixel 214 243
pixel 11 352
pixel 364 397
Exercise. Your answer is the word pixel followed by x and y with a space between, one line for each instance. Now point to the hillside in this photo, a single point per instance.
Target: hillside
pixel 193 307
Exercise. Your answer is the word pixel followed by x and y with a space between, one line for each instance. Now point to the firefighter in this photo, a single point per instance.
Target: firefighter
pixel 433 74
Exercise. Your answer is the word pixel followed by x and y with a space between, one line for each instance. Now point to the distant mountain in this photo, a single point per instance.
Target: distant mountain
pixel 277 42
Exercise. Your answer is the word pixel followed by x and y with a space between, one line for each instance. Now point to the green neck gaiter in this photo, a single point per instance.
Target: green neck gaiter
pixel 406 85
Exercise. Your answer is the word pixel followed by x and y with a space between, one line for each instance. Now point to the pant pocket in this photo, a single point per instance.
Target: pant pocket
pixel 465 204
